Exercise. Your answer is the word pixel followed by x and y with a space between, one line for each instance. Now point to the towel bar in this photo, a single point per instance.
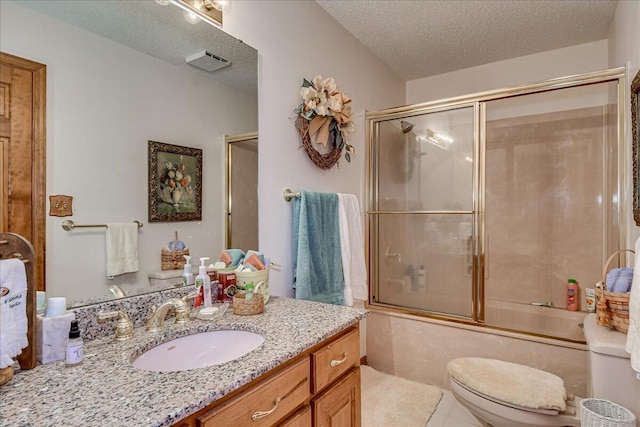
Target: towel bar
pixel 69 225
pixel 289 195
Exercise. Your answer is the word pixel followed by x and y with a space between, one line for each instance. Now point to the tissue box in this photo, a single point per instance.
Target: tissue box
pixel 52 337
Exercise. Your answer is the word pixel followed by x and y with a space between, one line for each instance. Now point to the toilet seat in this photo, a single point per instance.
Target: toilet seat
pixel 508 404
pixel 495 414
pixel 507 394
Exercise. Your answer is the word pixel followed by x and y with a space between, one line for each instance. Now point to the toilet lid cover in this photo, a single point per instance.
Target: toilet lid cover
pixel 509 382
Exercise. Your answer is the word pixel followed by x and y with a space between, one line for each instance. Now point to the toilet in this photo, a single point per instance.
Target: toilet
pixel 504 394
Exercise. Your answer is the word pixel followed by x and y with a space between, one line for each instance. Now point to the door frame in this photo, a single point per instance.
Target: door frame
pixel 38 159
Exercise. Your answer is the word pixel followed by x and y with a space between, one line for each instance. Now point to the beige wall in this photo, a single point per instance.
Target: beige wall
pixel 624 49
pixel 296 40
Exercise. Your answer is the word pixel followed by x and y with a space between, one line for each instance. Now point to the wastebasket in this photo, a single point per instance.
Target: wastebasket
pixel 604 413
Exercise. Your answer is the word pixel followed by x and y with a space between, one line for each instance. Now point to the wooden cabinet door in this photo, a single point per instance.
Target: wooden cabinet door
pixel 339 405
pixel 302 418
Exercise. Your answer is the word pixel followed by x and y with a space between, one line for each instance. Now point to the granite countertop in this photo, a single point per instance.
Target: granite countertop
pixel 106 390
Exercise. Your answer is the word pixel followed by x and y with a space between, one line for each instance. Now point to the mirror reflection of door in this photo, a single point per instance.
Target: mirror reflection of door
pixel 242 191
pixel 22 154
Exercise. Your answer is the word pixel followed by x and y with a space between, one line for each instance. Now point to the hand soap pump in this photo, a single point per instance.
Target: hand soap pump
pixel 187 276
pixel 203 282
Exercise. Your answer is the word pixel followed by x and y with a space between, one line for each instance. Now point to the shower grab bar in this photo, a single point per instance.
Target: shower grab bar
pixel 290 195
pixel 69 225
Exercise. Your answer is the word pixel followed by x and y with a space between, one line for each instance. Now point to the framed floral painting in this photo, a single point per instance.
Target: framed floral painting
pixel 175 183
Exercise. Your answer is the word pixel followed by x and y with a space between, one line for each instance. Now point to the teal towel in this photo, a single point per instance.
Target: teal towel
pixel 317 259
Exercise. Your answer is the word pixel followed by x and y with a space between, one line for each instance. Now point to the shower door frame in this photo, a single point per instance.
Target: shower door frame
pixel 478 101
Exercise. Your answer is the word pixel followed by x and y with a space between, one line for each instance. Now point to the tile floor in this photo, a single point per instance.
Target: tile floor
pixel 450 413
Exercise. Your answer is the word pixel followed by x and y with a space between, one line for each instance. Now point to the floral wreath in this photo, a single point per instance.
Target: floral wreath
pixel 326 114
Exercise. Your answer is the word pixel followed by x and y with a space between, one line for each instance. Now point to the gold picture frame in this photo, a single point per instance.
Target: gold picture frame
pixel 175 183
pixel 635 134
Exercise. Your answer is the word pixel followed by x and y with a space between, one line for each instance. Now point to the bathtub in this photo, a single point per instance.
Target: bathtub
pixel 513 316
pixel 548 321
pixel 419 348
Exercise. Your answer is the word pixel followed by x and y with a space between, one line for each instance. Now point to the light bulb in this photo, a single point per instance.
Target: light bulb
pixel 191 17
pixel 220 5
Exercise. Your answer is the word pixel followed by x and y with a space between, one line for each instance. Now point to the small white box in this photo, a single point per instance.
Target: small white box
pixel 52 337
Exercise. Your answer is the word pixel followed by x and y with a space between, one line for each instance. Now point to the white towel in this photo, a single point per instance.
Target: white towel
pixel 633 334
pixel 352 246
pixel 13 310
pixel 122 248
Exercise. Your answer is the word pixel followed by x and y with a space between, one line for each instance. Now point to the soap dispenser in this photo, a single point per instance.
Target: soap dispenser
pixel 187 276
pixel 203 283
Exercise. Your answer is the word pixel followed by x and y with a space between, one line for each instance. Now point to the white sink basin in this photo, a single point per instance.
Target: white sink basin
pixel 198 351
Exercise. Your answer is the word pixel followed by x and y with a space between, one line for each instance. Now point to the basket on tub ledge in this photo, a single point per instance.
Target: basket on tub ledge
pixel 173 260
pixel 612 308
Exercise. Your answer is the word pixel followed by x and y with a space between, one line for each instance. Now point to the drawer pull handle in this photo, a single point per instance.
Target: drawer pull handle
pixel 335 363
pixel 261 414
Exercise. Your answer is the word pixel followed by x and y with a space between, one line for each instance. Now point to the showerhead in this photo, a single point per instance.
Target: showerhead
pixel 406 126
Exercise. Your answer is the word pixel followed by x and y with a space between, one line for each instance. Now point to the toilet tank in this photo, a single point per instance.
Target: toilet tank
pixel 610 374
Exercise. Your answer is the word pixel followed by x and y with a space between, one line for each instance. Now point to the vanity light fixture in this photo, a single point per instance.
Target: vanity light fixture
pixel 438 139
pixel 209 11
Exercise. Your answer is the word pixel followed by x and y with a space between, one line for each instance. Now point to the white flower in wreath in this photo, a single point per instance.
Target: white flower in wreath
pixel 308 95
pixel 334 103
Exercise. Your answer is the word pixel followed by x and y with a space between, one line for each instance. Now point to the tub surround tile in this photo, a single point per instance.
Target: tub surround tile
pixel 107 390
pixel 420 350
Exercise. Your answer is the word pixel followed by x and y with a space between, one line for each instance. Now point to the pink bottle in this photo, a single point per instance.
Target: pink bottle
pixel 572 295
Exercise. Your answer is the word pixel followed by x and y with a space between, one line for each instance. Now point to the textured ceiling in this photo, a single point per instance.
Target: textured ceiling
pixel 420 38
pixel 159 31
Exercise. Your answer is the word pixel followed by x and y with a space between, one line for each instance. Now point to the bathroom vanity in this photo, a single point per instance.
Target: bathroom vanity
pixel 305 373
pixel 320 387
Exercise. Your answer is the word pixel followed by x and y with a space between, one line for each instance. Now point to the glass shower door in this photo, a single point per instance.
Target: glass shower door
pixel 424 215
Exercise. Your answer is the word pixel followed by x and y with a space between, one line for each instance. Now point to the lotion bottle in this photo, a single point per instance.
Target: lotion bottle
pixel 203 282
pixel 572 295
pixel 187 276
pixel 422 277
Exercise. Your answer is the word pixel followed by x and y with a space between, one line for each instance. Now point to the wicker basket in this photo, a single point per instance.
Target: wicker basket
pixel 173 260
pixel 604 413
pixel 6 374
pixel 247 307
pixel 612 308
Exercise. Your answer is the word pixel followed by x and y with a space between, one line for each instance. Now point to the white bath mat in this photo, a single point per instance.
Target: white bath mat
pixel 390 401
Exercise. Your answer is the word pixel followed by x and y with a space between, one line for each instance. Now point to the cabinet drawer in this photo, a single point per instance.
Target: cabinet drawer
pixel 264 404
pixel 334 359
pixel 339 405
pixel 302 418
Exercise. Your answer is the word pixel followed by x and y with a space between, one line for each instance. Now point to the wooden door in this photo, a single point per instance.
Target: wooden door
pixel 22 154
pixel 339 406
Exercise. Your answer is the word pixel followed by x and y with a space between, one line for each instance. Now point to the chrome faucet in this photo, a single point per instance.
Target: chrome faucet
pixel 543 304
pixel 155 323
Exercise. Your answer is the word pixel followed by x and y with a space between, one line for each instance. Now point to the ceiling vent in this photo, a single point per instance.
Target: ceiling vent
pixel 207 61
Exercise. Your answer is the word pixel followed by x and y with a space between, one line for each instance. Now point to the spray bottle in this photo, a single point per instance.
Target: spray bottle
pixel 203 283
pixel 187 276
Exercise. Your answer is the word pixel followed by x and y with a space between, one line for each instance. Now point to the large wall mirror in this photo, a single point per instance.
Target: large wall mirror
pixel 117 77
